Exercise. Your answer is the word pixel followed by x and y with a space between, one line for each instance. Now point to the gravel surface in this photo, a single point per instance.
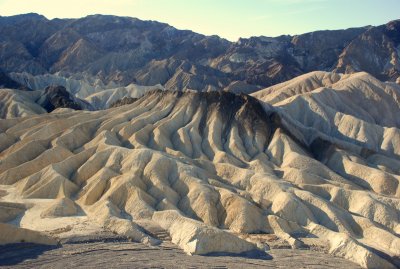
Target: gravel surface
pixel 120 253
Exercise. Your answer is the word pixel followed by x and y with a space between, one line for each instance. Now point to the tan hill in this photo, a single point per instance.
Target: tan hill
pixel 18 103
pixel 15 103
pixel 356 108
pixel 218 172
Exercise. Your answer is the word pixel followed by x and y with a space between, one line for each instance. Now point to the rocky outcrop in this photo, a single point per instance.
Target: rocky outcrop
pixel 123 101
pixel 195 237
pixel 376 51
pixel 54 97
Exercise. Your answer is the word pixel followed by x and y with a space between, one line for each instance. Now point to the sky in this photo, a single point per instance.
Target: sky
pixel 230 19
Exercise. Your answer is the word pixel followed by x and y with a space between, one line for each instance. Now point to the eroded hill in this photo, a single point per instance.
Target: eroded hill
pixel 217 171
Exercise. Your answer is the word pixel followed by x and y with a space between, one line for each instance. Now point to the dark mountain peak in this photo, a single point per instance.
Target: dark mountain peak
pixel 104 23
pixel 393 23
pixel 22 17
pixel 393 31
pixel 103 18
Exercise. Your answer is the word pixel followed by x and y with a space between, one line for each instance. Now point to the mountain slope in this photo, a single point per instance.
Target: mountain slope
pixel 15 103
pixel 356 108
pixel 7 82
pixel 124 50
pixel 376 51
pixel 196 163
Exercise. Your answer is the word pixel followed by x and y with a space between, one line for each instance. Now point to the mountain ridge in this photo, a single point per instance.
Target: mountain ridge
pixel 150 52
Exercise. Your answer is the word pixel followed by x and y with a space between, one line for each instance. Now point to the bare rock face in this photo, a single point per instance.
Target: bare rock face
pixel 123 101
pixel 125 50
pixel 195 237
pixel 376 51
pixel 55 97
pixel 320 50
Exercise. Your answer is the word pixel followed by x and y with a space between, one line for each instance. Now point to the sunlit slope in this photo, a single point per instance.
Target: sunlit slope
pixel 198 163
pixel 356 108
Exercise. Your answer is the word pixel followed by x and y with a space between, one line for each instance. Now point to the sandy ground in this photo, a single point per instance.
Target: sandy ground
pixel 112 252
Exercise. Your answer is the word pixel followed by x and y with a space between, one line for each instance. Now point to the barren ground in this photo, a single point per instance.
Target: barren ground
pixel 119 253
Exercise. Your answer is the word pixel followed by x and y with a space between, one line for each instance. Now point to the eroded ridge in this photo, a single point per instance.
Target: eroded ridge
pixel 216 170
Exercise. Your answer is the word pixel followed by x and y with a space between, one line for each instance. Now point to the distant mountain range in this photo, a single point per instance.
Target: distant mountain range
pixel 123 50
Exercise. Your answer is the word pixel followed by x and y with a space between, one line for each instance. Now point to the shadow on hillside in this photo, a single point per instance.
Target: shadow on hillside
pixel 12 254
pixel 252 254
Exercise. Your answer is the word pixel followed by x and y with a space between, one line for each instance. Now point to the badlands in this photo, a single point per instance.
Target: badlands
pixel 311 163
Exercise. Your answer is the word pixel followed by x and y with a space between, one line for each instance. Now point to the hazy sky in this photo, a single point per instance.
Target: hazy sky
pixel 227 18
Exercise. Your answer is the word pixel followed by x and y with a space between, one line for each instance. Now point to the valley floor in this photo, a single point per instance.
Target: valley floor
pixel 119 253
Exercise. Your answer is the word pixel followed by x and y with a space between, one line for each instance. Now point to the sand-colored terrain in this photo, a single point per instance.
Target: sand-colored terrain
pixel 19 103
pixel 112 253
pixel 215 172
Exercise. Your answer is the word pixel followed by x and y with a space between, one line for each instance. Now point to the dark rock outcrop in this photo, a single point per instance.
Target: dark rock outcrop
pixel 123 101
pixel 54 97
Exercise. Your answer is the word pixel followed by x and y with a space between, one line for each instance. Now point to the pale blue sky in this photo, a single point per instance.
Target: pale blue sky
pixel 230 19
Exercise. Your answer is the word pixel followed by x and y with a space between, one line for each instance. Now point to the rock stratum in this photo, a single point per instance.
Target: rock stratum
pixel 314 161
